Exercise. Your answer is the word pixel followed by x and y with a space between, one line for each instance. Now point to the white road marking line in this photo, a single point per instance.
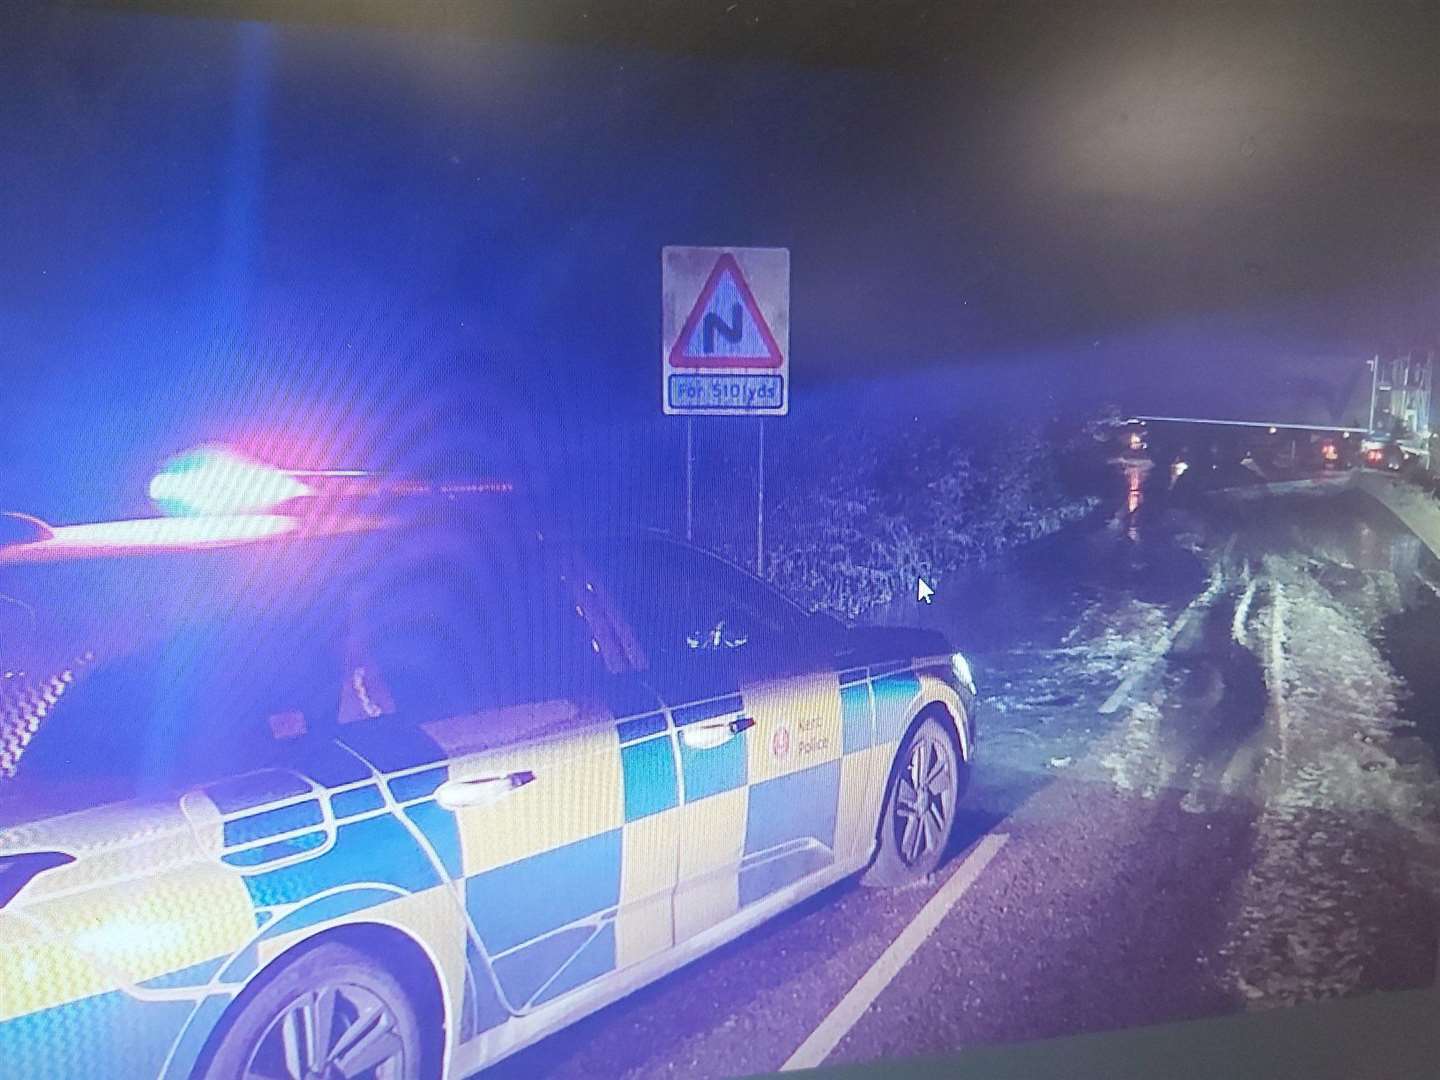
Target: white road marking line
pixel 1142 667
pixel 1277 671
pixel 1242 609
pixel 823 1040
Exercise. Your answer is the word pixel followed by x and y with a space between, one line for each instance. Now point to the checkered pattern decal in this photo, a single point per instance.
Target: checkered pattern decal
pixel 631 838
pixel 797 793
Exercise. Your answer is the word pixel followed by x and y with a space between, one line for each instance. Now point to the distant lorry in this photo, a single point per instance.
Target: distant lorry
pixel 1225 452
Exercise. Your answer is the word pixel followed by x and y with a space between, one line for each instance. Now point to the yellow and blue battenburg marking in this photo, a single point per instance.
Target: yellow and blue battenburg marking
pixel 98 955
pixel 630 839
pixel 544 868
pixel 794 791
pixel 712 771
pixel 647 758
pixel 896 687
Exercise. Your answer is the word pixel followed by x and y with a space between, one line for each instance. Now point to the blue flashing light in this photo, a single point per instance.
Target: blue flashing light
pixel 212 480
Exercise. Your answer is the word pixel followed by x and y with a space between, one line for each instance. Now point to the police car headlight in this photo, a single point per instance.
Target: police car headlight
pixel 962 671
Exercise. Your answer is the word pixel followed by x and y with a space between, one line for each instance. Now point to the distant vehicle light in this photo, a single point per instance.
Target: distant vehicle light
pixel 212 480
pixel 962 671
pixel 1274 431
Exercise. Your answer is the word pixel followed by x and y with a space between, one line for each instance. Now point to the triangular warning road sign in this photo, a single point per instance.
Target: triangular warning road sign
pixel 725 328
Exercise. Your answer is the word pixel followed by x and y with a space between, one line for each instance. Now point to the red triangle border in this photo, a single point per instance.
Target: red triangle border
pixel 678 358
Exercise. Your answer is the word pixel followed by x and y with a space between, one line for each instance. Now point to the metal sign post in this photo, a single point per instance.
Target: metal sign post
pixel 725 348
pixel 760 502
pixel 689 479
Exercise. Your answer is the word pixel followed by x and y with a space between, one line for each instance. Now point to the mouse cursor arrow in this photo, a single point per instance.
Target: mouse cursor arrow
pixel 923 591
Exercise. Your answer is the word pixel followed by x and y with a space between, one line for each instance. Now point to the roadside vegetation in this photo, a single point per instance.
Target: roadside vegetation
pixel 862 514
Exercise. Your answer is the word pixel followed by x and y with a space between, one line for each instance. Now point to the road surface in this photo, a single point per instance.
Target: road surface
pixel 1205 784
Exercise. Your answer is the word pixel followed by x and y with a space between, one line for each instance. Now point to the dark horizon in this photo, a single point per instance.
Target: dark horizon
pixel 210 216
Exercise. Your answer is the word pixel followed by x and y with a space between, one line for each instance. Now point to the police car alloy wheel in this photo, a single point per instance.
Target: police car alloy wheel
pixel 331 1014
pixel 925 788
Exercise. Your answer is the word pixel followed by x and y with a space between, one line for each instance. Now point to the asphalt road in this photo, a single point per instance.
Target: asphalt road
pixel 1202 786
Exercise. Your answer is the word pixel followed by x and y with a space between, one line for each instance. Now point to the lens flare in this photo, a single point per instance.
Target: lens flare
pixel 212 480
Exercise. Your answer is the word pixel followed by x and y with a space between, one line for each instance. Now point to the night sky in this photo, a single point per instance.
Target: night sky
pixel 312 237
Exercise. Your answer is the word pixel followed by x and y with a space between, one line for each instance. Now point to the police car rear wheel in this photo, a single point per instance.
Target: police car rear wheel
pixel 330 1014
pixel 919 813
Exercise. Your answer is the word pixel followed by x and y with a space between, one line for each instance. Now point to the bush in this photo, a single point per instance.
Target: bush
pixel 861 516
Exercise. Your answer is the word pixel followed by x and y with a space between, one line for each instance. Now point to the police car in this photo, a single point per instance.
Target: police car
pixel 330 776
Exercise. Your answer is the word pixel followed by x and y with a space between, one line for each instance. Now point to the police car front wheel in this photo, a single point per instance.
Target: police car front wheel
pixel 330 1014
pixel 919 814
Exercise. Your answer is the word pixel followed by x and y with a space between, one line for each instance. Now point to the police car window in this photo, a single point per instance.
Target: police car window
pixel 453 632
pixel 682 602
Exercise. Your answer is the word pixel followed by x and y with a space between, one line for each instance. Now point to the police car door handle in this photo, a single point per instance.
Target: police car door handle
pixel 480 790
pixel 714 734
